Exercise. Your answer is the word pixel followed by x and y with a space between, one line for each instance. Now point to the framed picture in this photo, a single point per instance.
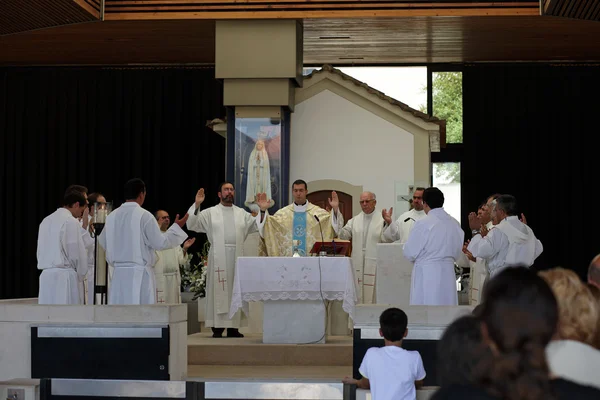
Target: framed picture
pixel 257 157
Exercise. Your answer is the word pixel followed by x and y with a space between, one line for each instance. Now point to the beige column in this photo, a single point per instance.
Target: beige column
pixel 259 61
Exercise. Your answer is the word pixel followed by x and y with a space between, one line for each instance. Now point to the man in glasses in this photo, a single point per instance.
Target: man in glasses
pixel 399 230
pixel 166 269
pixel 365 230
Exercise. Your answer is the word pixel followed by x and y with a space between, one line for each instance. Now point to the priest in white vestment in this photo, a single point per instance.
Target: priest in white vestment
pixel 166 270
pixel 131 237
pixel 61 253
pixel 511 243
pixel 434 245
pixel 478 266
pixel 365 230
pixel 399 230
pixel 227 227
pixel 86 228
pixel 476 222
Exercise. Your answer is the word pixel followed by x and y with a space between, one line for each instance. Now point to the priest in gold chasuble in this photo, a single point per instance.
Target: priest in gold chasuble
pixel 297 222
pixel 294 222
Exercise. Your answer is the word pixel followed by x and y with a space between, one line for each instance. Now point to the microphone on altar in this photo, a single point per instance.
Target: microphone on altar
pixel 321 253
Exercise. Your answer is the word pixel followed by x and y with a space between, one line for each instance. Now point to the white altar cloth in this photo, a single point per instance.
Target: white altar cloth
pixel 293 278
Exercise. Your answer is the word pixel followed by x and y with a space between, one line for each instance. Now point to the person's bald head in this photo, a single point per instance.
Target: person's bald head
pixel 368 202
pixel 594 272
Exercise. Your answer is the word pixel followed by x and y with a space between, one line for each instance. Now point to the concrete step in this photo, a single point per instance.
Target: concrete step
pixel 203 349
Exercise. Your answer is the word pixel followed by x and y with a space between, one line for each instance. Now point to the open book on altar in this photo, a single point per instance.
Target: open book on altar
pixel 336 247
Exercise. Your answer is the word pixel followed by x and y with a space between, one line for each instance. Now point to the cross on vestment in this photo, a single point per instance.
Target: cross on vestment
pixel 223 280
pixel 158 296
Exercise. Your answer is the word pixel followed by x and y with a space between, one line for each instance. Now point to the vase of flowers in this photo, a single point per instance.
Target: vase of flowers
pixel 193 273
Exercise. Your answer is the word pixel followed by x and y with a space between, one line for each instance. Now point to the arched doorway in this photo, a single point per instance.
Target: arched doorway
pixel 321 199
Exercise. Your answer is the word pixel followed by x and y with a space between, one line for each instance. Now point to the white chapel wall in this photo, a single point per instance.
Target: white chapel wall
pixel 334 138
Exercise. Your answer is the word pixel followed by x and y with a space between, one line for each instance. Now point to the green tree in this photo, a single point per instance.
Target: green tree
pixel 448 105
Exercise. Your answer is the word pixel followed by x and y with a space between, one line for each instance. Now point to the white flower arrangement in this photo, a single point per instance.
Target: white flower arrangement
pixel 193 276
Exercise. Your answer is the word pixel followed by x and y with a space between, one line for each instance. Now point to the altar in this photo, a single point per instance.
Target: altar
pixel 295 292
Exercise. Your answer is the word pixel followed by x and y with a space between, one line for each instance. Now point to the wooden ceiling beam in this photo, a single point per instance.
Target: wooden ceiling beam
pixel 371 41
pixel 21 16
pixel 275 9
pixel 578 9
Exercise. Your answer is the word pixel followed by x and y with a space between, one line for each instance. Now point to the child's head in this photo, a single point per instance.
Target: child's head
pixel 392 324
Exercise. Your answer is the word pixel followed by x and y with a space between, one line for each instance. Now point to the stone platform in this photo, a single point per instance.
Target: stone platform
pixel 250 358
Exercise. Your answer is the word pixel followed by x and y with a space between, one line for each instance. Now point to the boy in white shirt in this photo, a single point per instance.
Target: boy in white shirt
pixel 391 372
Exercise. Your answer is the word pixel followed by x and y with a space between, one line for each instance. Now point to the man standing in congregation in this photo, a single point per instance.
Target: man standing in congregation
pixel 227 227
pixel 166 270
pixel 365 230
pixel 131 237
pixel 61 252
pixel 399 230
pixel 294 222
pixel 434 244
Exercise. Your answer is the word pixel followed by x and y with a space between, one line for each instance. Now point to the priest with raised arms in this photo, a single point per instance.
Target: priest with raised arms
pixel 365 230
pixel 166 270
pixel 434 245
pixel 61 252
pixel 294 222
pixel 227 227
pixel 131 238
pixel 399 230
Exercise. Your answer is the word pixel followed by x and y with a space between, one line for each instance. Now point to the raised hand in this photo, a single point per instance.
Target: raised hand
pixel 199 197
pixel 334 201
pixel 181 222
pixel 523 219
pixel 188 243
pixel 387 215
pixel 474 222
pixel 262 201
pixel 484 231
pixel 470 256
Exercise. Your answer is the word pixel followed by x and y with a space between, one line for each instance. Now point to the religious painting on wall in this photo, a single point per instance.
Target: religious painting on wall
pixel 258 158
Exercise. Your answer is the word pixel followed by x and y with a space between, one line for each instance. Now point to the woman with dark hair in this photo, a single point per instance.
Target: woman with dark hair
pixel 519 316
pixel 461 352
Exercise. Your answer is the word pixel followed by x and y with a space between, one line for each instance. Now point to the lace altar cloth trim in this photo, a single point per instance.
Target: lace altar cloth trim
pixel 287 278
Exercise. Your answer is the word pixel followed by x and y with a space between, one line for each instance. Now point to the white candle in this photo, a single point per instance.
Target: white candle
pixel 101 216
